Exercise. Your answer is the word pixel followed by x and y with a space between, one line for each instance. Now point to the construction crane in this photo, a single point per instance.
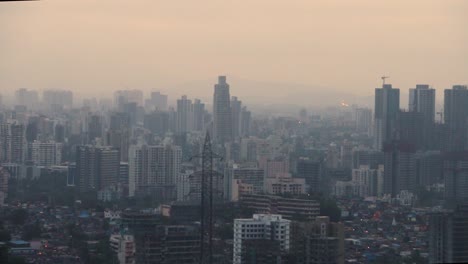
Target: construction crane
pixel 383 79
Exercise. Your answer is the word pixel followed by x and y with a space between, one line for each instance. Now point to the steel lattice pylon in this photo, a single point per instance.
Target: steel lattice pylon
pixel 206 206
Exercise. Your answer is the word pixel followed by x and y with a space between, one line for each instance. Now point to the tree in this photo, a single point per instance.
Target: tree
pixel 32 231
pixel 16 260
pixel 3 254
pixel 5 236
pixel 19 216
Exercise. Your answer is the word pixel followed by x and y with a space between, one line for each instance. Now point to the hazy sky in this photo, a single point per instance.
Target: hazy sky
pixel 97 46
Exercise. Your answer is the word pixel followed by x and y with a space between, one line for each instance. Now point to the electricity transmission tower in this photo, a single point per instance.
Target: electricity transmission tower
pixel 206 205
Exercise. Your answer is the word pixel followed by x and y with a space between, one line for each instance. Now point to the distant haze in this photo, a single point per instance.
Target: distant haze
pixel 305 52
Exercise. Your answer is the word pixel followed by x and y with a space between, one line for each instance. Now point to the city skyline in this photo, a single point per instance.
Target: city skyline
pixel 298 132
pixel 325 98
pixel 261 46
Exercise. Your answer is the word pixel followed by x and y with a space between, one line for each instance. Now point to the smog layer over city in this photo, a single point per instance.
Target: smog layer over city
pixel 233 132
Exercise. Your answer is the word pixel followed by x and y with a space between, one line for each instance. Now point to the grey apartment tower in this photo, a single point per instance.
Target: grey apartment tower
pixel 222 125
pixel 387 106
pixel 456 117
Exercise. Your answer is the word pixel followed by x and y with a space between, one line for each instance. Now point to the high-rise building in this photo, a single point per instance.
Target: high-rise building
pixel 249 147
pixel 92 104
pixel 134 112
pixel 198 115
pixel 245 123
pixel 364 120
pixel 123 97
pixel 371 158
pixel 4 176
pixel 172 114
pixel 448 235
pixel 387 106
pixel 46 153
pixel 333 156
pixel 182 183
pixel 71 174
pixel 152 167
pixel 320 241
pixel 195 186
pixel 96 167
pixel 119 139
pixel 139 221
pixel 95 128
pixel 32 129
pixel 124 246
pixel 285 184
pixel 294 209
pixel 19 113
pixel 410 128
pixel 236 114
pixel 456 117
pixel 61 98
pixel 118 135
pixel 59 133
pixel 157 101
pixel 429 168
pixel 253 176
pixel 400 167
pixel 167 245
pixel 274 166
pixel 12 143
pixel 422 100
pixel 257 230
pixel 311 171
pixel 346 154
pixel 184 115
pixel 222 123
pixel 455 173
pixel 108 167
pixel 367 181
pixel 123 173
pixel 28 98
pixel 18 145
pixel 119 120
pixel 157 122
pixel 262 251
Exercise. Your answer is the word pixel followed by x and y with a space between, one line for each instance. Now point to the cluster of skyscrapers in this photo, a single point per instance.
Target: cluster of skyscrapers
pixel 275 167
pixel 415 146
pixel 402 134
